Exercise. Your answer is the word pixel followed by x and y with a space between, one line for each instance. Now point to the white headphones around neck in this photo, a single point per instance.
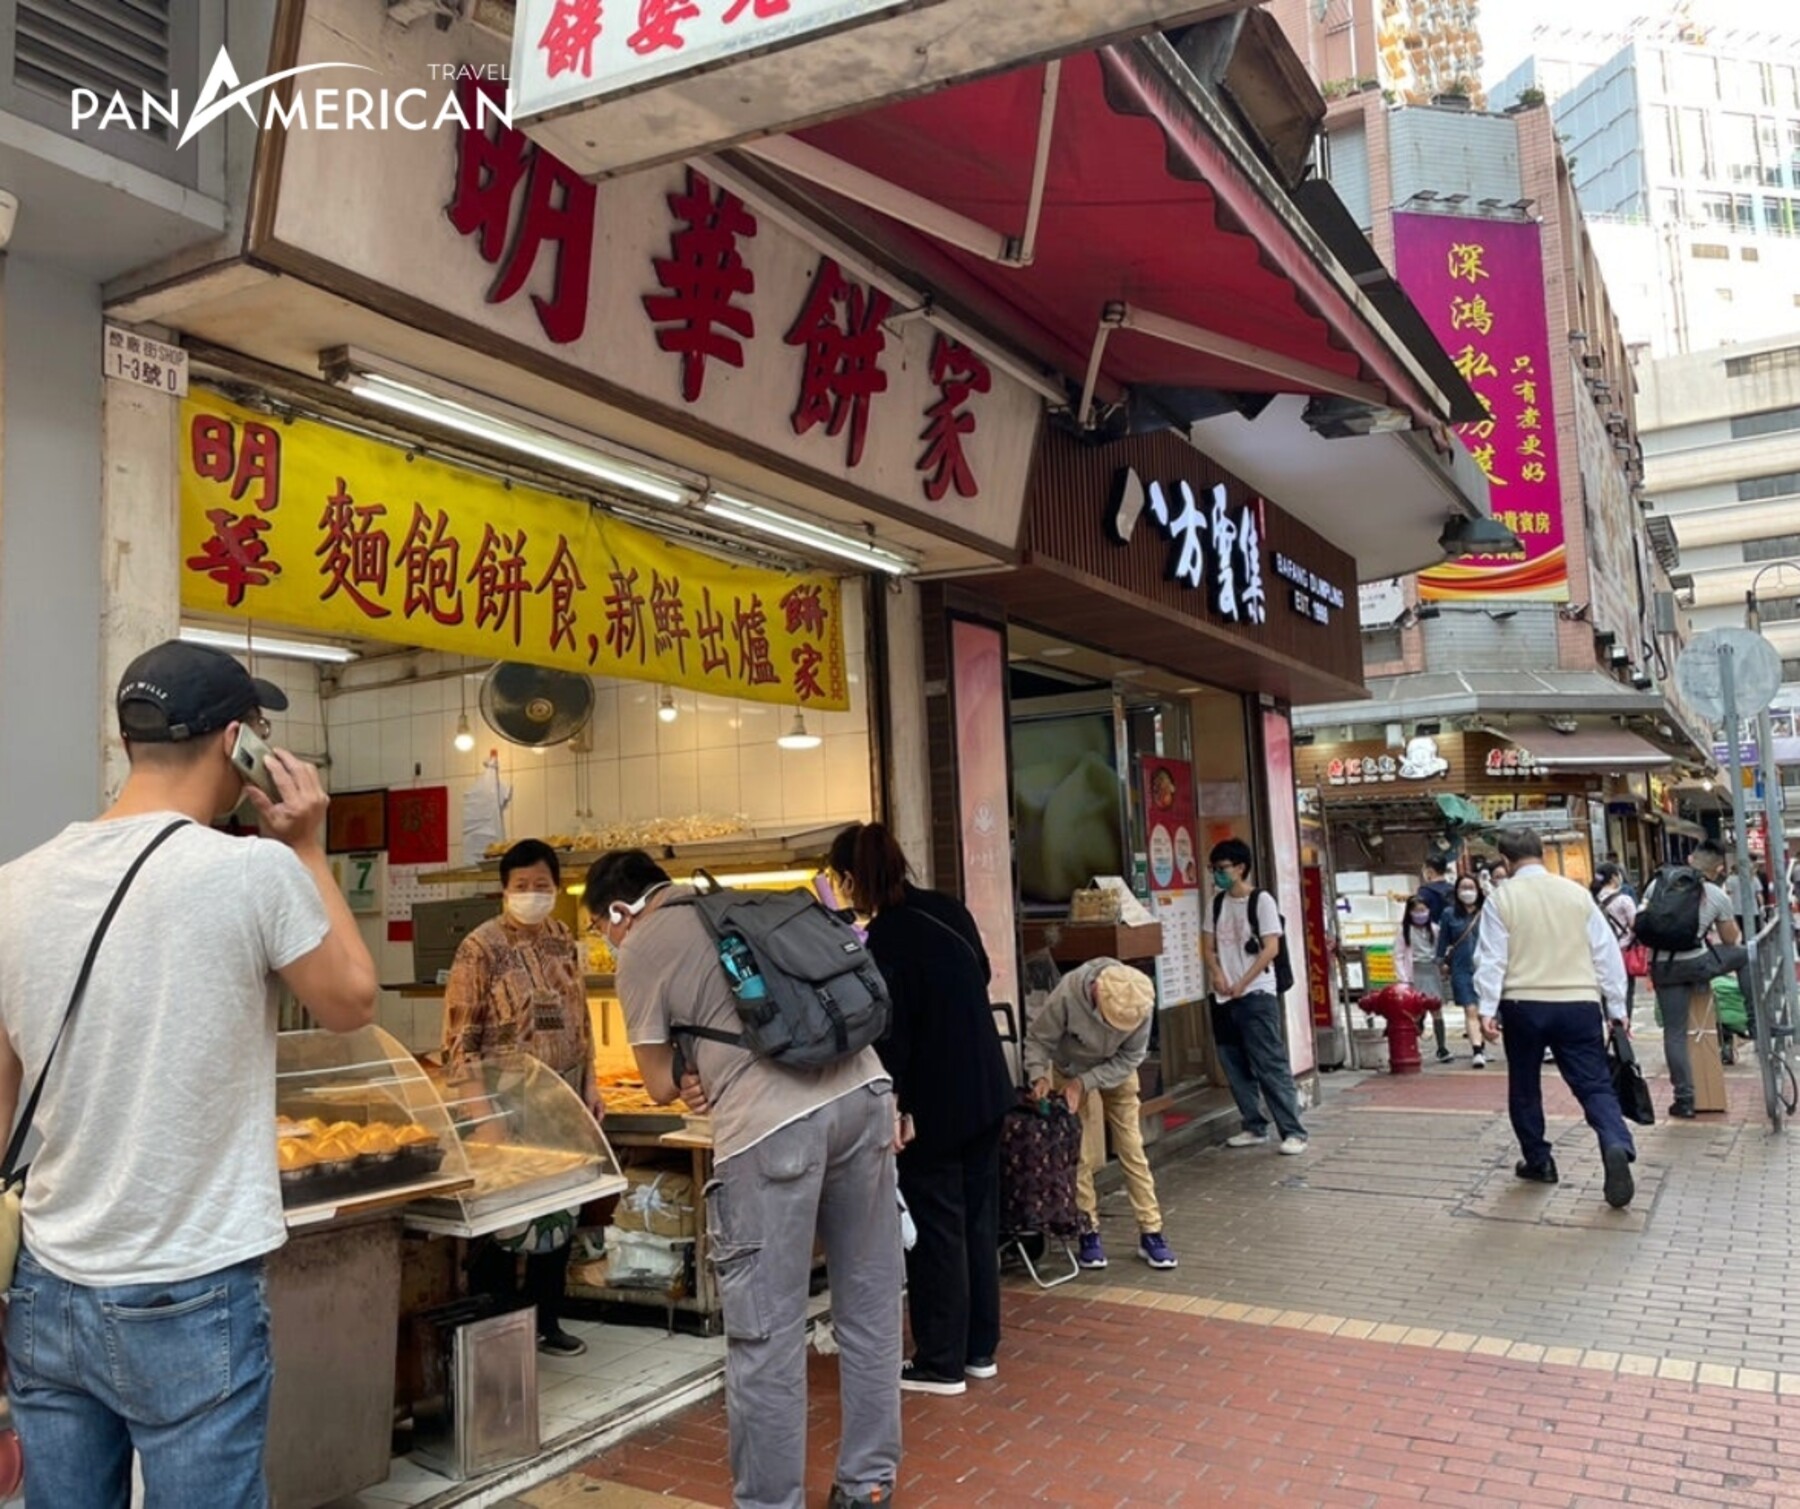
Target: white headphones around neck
pixel 621 912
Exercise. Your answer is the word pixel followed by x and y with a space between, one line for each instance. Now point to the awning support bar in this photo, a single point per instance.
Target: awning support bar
pixel 1180 333
pixel 1022 251
pixel 806 161
pixel 1110 319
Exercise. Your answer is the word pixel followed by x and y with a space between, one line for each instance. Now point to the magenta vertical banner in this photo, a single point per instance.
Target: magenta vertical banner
pixel 1480 285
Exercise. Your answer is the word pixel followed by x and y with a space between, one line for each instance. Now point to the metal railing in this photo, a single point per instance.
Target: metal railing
pixel 1771 977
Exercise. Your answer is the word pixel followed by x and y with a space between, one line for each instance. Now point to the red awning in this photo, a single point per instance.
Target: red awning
pixel 1143 204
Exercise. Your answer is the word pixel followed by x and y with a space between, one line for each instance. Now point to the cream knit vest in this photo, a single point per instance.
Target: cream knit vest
pixel 1548 957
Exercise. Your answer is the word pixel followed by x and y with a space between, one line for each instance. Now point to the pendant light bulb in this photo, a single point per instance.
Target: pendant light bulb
pixel 797 737
pixel 464 740
pixel 666 709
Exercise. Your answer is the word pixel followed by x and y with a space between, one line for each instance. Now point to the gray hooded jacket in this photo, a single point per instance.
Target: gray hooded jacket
pixel 1069 1032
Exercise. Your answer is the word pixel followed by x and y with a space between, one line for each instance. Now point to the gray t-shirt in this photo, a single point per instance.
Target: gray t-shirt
pixel 669 975
pixel 158 1119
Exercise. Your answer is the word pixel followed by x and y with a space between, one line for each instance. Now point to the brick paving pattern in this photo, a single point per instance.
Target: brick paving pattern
pixel 1392 1319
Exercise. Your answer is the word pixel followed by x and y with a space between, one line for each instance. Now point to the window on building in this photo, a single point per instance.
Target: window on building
pixel 1716 209
pixel 1761 489
pixel 1697 75
pixel 1778 216
pixel 1725 295
pixel 1763 363
pixel 1790 671
pixel 1710 251
pixel 1662 144
pixel 1768 151
pixel 1787 87
pixel 1778 609
pixel 1382 646
pixel 1774 547
pixel 1749 254
pixel 1737 147
pixel 1769 422
pixel 1696 144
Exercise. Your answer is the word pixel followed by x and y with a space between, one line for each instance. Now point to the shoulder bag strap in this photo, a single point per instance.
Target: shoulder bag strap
pixel 945 926
pixel 16 1147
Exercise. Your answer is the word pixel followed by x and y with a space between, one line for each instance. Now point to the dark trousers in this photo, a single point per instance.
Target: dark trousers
pixel 494 1271
pixel 1576 1032
pixel 953 1270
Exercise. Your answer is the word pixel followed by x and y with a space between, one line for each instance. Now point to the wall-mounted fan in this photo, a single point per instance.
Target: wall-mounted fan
pixel 527 704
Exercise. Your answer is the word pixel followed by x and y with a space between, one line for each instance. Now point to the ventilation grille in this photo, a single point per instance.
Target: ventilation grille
pixel 108 46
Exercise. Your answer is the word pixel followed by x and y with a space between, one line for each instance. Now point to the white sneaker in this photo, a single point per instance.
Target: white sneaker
pixel 1247 1139
pixel 1293 1147
pixel 1479 1061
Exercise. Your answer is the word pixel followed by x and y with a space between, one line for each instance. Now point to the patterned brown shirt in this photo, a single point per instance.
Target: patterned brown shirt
pixel 520 989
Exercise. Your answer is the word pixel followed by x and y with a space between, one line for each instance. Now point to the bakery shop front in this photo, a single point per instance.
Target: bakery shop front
pixel 1124 695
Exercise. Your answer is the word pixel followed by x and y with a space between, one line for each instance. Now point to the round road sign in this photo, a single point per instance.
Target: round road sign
pixel 1755 670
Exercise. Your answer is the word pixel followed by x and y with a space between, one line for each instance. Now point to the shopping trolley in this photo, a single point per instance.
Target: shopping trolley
pixel 1040 1154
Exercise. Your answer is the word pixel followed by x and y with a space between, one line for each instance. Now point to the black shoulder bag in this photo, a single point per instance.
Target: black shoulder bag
pixel 12 1176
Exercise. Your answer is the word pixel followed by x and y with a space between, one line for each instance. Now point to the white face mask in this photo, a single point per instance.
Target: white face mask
pixel 529 908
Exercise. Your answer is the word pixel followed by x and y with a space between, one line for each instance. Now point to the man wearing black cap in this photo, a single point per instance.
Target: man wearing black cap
pixel 137 1320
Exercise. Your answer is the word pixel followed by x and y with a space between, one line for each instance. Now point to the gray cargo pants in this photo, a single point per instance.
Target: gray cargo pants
pixel 831 1172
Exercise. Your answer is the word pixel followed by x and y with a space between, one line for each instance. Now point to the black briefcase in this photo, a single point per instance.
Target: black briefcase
pixel 1628 1080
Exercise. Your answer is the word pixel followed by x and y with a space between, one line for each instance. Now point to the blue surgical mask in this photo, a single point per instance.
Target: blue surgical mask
pixel 1224 879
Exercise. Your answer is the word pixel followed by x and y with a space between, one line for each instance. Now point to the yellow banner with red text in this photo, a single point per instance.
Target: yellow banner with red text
pixel 300 524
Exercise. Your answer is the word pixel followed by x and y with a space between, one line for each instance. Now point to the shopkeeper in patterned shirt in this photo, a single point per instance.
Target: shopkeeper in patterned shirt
pixel 516 986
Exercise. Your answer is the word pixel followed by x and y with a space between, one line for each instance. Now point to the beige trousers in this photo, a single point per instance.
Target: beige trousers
pixel 1118 1109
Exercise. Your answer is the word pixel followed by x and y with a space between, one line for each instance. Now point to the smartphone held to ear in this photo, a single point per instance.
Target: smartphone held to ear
pixel 250 754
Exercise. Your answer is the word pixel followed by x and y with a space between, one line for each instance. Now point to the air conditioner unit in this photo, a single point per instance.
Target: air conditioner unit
pixel 1593 363
pixel 1663 614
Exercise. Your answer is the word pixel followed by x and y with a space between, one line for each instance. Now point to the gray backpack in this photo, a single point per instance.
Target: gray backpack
pixel 821 998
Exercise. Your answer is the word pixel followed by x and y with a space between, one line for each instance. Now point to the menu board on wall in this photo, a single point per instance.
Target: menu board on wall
pixel 1169 831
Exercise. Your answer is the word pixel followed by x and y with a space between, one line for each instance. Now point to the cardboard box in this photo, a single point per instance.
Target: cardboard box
pixel 1703 1047
pixel 659 1202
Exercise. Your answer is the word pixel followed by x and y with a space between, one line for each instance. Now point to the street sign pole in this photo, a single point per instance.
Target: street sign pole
pixel 1734 735
pixel 1776 821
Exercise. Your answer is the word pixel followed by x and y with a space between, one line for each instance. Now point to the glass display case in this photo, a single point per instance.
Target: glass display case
pixel 358 1126
pixel 528 1143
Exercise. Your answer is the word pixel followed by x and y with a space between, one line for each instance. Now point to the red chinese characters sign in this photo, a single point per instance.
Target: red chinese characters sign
pixel 311 527
pixel 520 208
pixel 1480 285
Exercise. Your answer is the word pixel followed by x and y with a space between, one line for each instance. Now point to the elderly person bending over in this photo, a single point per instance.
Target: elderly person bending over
pixel 1086 1042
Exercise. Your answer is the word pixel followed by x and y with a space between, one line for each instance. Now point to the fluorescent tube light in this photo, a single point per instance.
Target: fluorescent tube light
pixel 275 649
pixel 484 419
pixel 804 533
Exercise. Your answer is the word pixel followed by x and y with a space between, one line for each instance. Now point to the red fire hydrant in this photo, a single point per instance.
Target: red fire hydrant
pixel 1405 1010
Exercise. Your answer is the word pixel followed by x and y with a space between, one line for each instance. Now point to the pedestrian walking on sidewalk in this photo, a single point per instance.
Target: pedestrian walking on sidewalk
pixel 943 1050
pixel 137 1321
pixel 1416 963
pixel 1240 940
pixel 1686 911
pixel 1619 907
pixel 1458 935
pixel 1546 969
pixel 1086 1043
pixel 800 1155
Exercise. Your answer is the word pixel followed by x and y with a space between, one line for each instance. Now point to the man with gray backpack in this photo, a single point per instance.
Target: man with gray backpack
pixel 758 1008
pixel 1685 906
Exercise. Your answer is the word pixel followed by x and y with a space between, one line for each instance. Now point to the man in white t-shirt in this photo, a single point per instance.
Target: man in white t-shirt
pixel 1240 952
pixel 137 1321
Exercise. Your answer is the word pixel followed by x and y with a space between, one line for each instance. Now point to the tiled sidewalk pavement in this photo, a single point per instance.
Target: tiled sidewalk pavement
pixel 1390 1319
pixel 1107 1403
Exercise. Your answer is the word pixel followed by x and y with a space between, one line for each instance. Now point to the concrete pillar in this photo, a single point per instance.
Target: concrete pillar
pixel 140 545
pixel 50 597
pixel 908 753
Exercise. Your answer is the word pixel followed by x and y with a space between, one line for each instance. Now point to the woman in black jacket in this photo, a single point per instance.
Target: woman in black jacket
pixel 950 1076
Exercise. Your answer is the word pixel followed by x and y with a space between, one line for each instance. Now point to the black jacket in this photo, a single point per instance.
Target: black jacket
pixel 942 1046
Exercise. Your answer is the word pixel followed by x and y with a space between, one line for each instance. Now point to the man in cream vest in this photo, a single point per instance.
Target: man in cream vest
pixel 1545 964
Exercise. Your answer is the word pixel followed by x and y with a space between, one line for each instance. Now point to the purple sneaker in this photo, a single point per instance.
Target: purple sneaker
pixel 1155 1251
pixel 1092 1254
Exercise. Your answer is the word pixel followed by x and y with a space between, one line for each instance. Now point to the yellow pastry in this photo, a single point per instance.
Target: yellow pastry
pixel 378 1139
pixel 412 1136
pixel 292 1154
pixel 334 1149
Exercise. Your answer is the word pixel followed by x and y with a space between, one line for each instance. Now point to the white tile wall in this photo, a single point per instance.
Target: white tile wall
pixel 719 756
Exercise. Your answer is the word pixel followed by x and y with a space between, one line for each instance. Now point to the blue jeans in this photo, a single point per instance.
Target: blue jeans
pixel 1575 1030
pixel 180 1372
pixel 1257 1060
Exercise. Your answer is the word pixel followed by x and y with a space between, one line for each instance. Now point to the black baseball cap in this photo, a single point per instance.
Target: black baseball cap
pixel 181 691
